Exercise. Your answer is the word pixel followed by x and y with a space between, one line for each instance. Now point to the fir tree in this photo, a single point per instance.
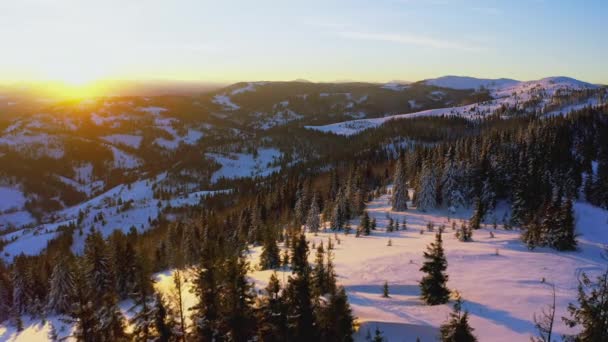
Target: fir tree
pixel 270 257
pixel 163 322
pixel 426 198
pixel 400 191
pixel 336 318
pixel 272 315
pixel 591 314
pixel 457 328
pixel 61 291
pixel 313 222
pixel 385 291
pixel 319 273
pixel 298 295
pixel 237 321
pixel 365 224
pixel 433 285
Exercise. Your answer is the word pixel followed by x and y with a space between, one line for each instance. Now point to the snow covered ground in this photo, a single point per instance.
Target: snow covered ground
pixel 503 283
pixel 239 165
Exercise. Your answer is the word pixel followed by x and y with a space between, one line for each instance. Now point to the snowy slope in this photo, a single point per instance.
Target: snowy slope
pixel 239 165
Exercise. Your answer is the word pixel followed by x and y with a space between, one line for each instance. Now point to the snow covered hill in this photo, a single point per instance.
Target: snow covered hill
pixel 550 96
pixel 464 82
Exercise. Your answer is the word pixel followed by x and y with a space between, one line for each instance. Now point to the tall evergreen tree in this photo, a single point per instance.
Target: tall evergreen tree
pixel 591 314
pixel 426 197
pixel 313 222
pixel 400 194
pixel 433 285
pixel 272 318
pixel 61 291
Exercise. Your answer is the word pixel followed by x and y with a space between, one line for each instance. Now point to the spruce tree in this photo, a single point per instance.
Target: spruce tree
pixel 336 318
pixel 400 194
pixel 426 197
pixel 385 291
pixel 433 285
pixel 591 313
pixel 163 322
pixel 272 313
pixel 319 273
pixel 298 295
pixel 564 236
pixel 237 321
pixel 270 257
pixel 61 291
pixel 457 328
pixel 313 222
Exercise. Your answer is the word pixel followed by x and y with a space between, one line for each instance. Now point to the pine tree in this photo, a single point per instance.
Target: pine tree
pixel 457 328
pixel 61 291
pixel 177 304
pixel 378 337
pixel 336 318
pixel 385 291
pixel 451 193
pixel 319 273
pixel 400 194
pixel 300 213
pixel 298 295
pixel 272 315
pixel 163 323
pixel 365 224
pixel 99 273
pixel 143 303
pixel 237 321
pixel 270 257
pixel 433 285
pixel 564 238
pixel 426 198
pixel 313 222
pixel 206 311
pixel 591 314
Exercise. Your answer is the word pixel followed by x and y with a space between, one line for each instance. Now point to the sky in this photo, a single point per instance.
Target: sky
pixel 79 41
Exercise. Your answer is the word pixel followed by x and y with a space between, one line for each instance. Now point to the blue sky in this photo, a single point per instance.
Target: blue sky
pixel 84 40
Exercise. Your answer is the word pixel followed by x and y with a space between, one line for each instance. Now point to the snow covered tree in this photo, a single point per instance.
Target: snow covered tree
pixel 426 197
pixel 177 304
pixel 433 285
pixel 564 237
pixel 300 212
pixel 298 295
pixel 451 192
pixel 457 328
pixel 339 214
pixel 400 194
pixel 61 291
pixel 313 222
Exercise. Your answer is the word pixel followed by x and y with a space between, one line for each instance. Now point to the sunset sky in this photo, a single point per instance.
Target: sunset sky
pixel 79 41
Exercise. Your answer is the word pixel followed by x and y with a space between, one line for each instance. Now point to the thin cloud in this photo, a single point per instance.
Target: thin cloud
pixel 409 39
